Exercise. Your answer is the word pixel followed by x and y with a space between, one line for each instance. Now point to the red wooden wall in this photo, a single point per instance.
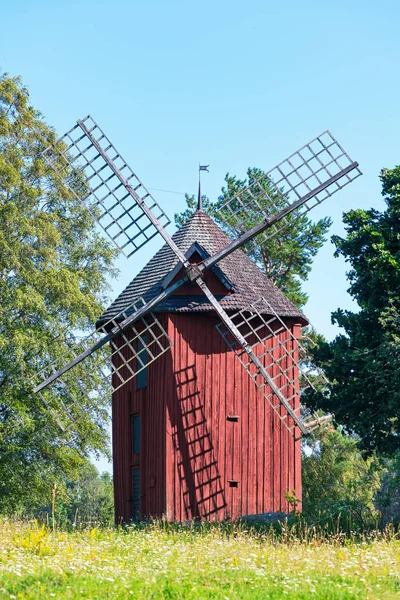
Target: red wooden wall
pixel 191 455
pixel 149 403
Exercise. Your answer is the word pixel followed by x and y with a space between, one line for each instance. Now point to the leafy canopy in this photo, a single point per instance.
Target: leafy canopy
pixel 363 363
pixel 54 268
pixel 285 258
pixel 338 481
pixel 86 499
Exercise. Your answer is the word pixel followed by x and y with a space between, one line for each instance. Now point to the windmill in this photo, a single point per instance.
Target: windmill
pixel 134 336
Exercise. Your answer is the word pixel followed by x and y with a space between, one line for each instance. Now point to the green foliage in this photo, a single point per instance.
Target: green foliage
pixel 54 268
pixel 90 499
pixel 363 363
pixel 286 258
pixel 338 482
pixel 86 500
pixel 388 497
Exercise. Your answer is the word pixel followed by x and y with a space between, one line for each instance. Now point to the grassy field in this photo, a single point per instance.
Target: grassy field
pixel 194 562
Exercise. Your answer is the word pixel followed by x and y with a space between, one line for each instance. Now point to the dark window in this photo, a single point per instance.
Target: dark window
pixel 136 494
pixel 141 361
pixel 136 434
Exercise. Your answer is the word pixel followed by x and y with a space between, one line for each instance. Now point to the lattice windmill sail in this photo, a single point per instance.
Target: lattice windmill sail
pixel 124 208
pixel 106 367
pixel 283 358
pixel 299 183
pixel 130 217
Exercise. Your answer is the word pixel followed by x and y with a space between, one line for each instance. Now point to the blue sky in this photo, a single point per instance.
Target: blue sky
pixel 230 84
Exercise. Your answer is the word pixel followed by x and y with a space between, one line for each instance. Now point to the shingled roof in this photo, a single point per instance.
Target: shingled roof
pixel 249 283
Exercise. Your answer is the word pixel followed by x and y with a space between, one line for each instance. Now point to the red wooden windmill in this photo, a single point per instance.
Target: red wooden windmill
pixel 206 355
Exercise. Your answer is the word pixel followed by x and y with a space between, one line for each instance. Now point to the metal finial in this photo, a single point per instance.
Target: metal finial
pixel 199 196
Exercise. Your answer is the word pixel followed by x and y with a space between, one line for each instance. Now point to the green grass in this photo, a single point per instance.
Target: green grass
pixel 159 561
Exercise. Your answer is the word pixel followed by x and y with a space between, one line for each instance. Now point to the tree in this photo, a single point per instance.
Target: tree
pixel 91 498
pixel 54 269
pixel 363 363
pixel 338 482
pixel 285 258
pixel 88 499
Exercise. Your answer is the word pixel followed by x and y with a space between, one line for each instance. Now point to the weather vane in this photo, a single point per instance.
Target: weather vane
pixel 199 196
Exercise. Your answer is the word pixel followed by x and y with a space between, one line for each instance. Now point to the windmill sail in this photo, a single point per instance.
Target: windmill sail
pixel 286 366
pixel 86 388
pixel 299 183
pixel 98 175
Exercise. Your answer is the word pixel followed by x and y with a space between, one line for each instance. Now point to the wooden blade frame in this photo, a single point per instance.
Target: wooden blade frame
pixel 282 356
pixel 99 177
pixel 127 354
pixel 322 182
pixel 313 166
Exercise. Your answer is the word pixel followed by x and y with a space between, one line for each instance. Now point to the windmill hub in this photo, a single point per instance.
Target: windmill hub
pixel 194 273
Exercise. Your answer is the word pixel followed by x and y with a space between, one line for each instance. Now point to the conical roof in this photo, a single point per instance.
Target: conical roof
pixel 248 281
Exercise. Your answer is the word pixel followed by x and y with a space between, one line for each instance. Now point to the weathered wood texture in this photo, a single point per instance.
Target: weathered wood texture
pixel 211 446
